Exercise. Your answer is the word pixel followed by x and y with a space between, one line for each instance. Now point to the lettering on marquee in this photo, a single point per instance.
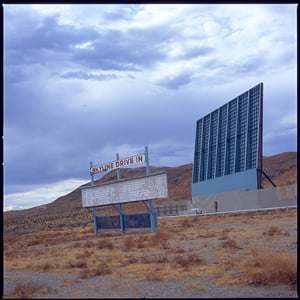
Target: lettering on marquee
pixel 118 164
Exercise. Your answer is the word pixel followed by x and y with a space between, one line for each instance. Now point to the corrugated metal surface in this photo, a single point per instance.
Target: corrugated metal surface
pixel 229 141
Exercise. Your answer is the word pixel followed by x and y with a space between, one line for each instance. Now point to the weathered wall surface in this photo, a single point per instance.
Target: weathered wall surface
pixel 244 200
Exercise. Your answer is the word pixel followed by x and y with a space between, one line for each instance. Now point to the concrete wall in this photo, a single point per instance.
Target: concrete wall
pixel 243 200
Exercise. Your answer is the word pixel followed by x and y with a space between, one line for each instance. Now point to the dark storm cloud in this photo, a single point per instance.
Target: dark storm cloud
pixel 53 142
pixel 43 35
pixel 44 161
pixel 60 145
pixel 83 83
pixel 117 50
pixel 48 43
pixel 88 76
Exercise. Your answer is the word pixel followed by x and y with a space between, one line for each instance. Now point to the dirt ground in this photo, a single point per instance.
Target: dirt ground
pixel 218 256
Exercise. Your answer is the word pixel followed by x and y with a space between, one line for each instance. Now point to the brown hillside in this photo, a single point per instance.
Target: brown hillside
pixel 281 168
pixel 179 181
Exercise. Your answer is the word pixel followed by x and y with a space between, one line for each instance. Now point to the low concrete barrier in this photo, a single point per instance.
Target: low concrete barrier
pixel 242 200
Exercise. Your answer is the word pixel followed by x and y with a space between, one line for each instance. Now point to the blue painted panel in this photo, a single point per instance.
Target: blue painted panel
pixel 229 141
pixel 246 180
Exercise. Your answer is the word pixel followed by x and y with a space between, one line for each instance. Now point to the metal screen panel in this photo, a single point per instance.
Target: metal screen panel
pixel 130 221
pixel 141 220
pixel 108 222
pixel 229 140
pixel 151 186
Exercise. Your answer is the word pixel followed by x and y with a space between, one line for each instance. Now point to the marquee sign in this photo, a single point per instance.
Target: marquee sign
pixel 150 186
pixel 140 158
pixel 147 187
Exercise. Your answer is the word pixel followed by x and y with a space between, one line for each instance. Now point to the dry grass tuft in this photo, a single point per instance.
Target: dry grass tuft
pixel 224 234
pixel 80 264
pixel 268 269
pixel 153 274
pixel 33 242
pixel 187 222
pixel 160 238
pixel 171 253
pixel 46 267
pixel 148 259
pixel 100 270
pixel 194 286
pixel 207 234
pixel 188 261
pixel 85 254
pixel 177 250
pixel 105 244
pixel 26 290
pixel 273 230
pixel 129 243
pixel 230 244
pixel 132 259
pixel 89 244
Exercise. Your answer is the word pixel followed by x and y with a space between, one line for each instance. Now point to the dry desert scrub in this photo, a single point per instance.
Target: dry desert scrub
pixel 26 290
pixel 99 270
pixel 274 230
pixel 275 268
pixel 219 247
pixel 230 244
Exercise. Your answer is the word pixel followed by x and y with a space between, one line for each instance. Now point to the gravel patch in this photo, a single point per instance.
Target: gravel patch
pixel 55 285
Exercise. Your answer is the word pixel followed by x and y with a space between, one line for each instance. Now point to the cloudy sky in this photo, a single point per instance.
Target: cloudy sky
pixel 84 82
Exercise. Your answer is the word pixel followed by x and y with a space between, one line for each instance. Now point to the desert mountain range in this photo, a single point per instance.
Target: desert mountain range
pixel 281 168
